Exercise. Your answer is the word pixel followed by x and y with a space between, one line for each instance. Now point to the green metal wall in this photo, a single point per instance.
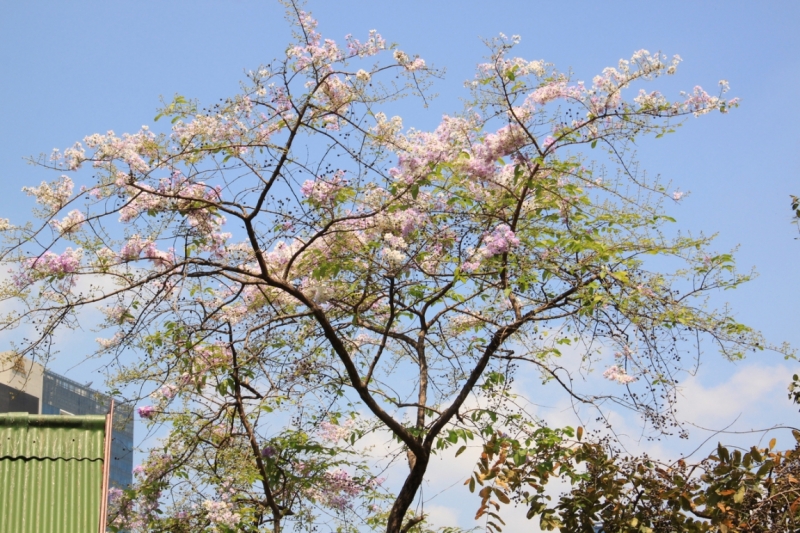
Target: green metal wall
pixel 51 473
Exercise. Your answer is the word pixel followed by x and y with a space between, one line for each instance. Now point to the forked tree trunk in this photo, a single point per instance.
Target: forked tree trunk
pixel 406 496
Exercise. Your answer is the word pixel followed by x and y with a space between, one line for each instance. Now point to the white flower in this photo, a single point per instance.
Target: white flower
pixel 52 196
pixel 398 243
pixel 401 57
pixel 417 64
pixel 363 75
pixel 70 224
pixel 319 292
pixel 394 257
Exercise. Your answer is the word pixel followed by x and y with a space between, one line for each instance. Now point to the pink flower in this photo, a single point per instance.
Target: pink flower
pixel 323 190
pixel 146 412
pixel 50 265
pixel 501 240
pixel 133 248
pixel 268 452
pixel 618 374
pixel 335 432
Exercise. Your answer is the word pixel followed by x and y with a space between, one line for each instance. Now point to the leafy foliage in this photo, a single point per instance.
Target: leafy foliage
pixel 727 492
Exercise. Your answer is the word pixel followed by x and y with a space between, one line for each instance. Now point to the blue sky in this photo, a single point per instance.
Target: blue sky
pixel 74 68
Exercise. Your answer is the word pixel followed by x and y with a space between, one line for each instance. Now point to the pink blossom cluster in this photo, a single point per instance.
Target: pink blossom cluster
pixel 554 91
pixel 204 130
pixel 642 64
pixel 604 96
pixel 136 514
pixel 364 339
pixel 653 100
pixel 220 513
pixel 372 46
pixel 147 411
pixel 252 297
pixel 215 243
pixel 119 508
pixel 699 102
pixel 618 374
pixel 408 221
pixel 108 344
pixel 156 464
pixel 335 432
pixel 136 247
pixel 160 258
pixel 132 249
pixel 129 149
pixel 117 314
pixel 516 66
pixel 316 51
pixel 323 190
pixel 385 129
pixel 485 155
pixel 336 490
pixel 408 63
pixel 50 265
pixel 279 99
pixel 624 353
pixel 333 100
pixel 501 240
pixel 164 393
pixel 70 159
pixel 281 253
pixel 115 494
pixel 453 141
pixel 466 320
pixel 420 151
pixel 178 193
pixel 416 64
pixel 208 357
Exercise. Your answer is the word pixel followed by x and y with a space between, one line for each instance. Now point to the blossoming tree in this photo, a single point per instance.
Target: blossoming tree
pixel 270 266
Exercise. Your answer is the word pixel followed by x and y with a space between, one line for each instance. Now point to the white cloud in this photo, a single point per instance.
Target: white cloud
pixel 751 392
pixel 440 516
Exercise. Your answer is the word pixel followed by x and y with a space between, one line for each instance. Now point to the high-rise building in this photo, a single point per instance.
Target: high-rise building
pixel 27 387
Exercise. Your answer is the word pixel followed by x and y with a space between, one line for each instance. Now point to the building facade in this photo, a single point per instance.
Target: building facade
pixel 26 387
pixel 53 473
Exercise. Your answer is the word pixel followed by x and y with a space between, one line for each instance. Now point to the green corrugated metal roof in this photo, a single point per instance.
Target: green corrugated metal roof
pixel 51 473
